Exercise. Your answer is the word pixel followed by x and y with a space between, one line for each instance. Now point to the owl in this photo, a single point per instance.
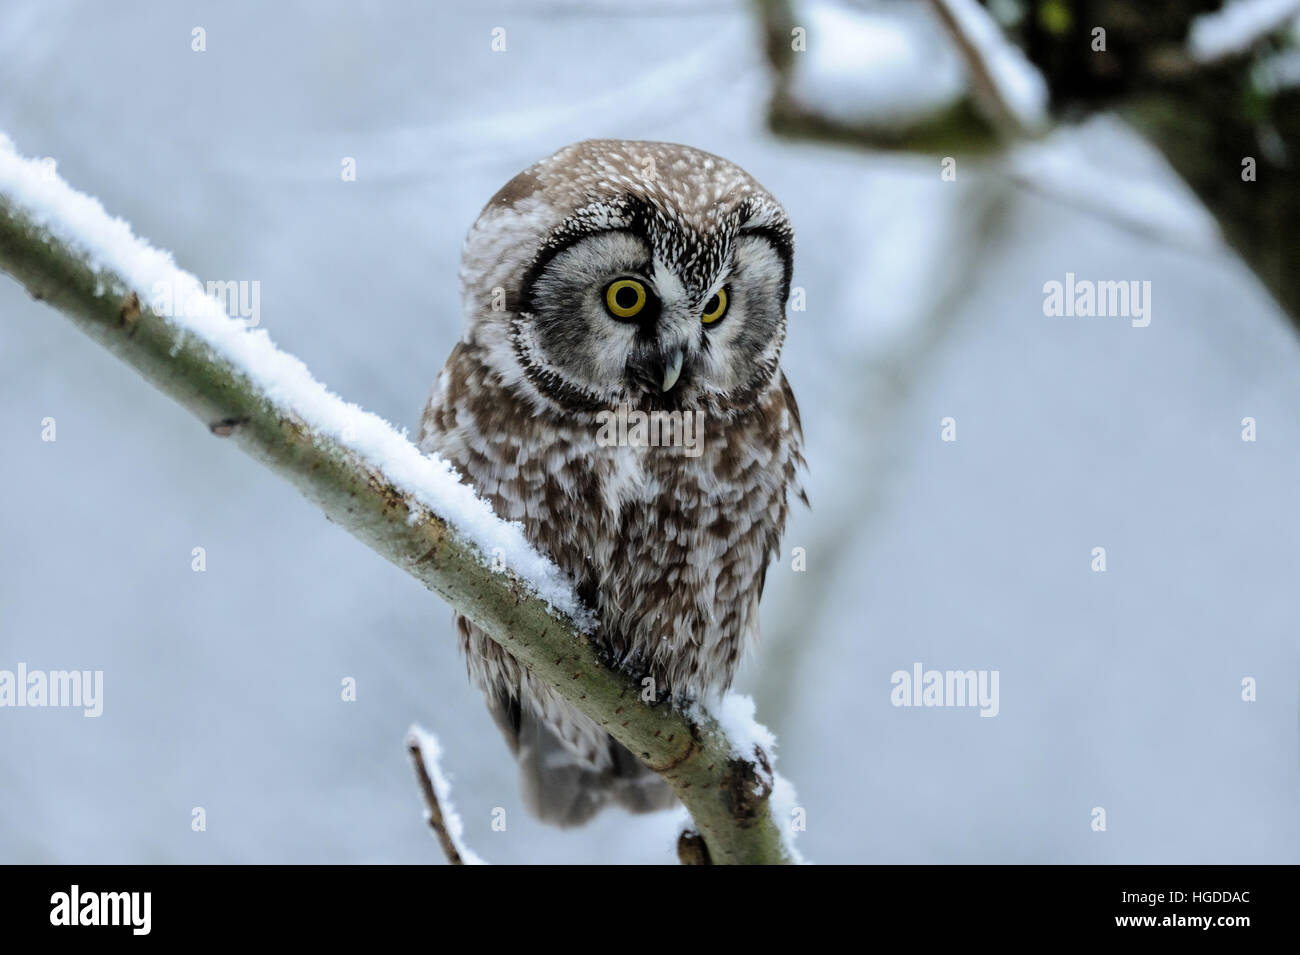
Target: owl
pixel 618 392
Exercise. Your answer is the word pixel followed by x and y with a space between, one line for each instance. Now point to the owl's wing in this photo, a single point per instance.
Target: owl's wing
pixel 434 420
pixel 796 456
pixel 793 485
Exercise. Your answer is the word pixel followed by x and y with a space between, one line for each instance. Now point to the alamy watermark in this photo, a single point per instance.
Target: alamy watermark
pixel 82 689
pixel 1084 298
pixel 240 301
pixel 625 427
pixel 921 687
pixel 129 909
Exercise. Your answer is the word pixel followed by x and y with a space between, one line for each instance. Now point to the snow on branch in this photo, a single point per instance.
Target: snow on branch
pixel 435 787
pixel 1003 80
pixel 1237 26
pixel 937 76
pixel 132 266
pixel 408 507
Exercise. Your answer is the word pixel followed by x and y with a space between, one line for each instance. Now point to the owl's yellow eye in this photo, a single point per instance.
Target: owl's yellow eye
pixel 715 308
pixel 625 298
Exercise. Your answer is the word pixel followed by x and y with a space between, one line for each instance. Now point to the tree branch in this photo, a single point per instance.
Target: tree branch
pixel 425 754
pixel 1195 78
pixel 988 64
pixel 65 250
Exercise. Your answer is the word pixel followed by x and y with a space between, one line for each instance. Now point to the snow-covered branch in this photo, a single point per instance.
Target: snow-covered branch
pixel 1237 26
pixel 1009 89
pixel 435 789
pixel 407 506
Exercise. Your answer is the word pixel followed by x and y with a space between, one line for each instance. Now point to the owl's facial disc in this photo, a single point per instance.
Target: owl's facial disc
pixel 615 323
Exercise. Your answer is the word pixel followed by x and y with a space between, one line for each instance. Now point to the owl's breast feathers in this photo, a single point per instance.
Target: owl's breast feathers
pixel 669 544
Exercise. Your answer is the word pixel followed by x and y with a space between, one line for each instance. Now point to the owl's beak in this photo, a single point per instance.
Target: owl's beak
pixel 672 370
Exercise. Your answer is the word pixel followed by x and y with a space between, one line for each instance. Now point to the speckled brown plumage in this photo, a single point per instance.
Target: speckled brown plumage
pixel 669 544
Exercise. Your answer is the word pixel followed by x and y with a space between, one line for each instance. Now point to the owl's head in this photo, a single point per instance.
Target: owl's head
pixel 643 273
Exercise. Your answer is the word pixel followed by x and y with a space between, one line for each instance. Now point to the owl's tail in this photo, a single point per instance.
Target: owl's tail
pixel 563 789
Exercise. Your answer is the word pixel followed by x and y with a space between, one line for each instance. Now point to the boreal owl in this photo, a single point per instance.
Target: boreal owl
pixel 618 392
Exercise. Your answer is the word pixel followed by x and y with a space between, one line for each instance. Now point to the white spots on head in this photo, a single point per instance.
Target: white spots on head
pixel 693 199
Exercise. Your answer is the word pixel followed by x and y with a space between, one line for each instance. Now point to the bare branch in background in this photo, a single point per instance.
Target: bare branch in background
pixel 1237 28
pixel 1010 93
pixel 1214 86
pixel 436 792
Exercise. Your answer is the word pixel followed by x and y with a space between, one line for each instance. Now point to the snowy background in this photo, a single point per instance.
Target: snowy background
pixel 222 689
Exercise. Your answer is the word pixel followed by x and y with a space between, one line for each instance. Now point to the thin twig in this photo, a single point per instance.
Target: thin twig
pixel 429 791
